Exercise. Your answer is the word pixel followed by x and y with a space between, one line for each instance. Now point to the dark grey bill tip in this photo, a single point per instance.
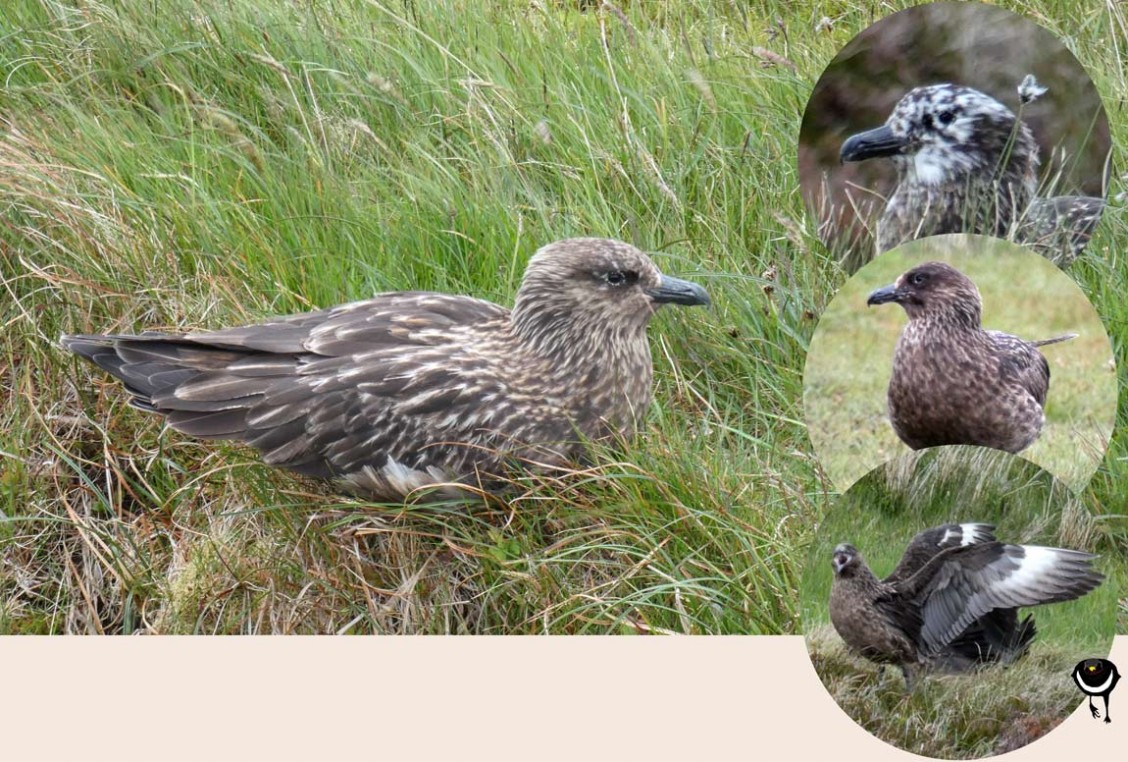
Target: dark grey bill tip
pixel 883 295
pixel 676 291
pixel 871 144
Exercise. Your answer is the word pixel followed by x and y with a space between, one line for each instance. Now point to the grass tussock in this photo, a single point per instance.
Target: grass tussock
pixel 219 163
pixel 949 716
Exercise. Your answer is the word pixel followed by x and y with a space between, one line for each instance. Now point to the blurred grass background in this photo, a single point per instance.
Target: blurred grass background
pixel 997 709
pixel 851 358
pixel 211 163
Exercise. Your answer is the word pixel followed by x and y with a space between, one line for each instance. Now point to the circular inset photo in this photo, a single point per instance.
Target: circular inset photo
pixel 949 595
pixel 960 340
pixel 954 118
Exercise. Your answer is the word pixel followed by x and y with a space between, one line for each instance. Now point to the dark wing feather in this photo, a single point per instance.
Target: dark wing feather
pixel 1022 361
pixel 900 613
pixel 997 636
pixel 1063 221
pixel 967 583
pixel 385 320
pixel 927 544
pixel 322 392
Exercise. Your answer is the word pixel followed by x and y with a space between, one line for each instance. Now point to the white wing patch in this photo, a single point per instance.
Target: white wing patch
pixel 973 533
pixel 970 534
pixel 1036 564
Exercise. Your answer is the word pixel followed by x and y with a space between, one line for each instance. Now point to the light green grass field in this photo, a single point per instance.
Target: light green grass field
pixel 218 163
pixel 851 358
pixel 995 709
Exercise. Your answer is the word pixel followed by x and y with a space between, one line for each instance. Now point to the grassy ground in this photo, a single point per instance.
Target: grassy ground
pixel 217 163
pixel 961 716
pixel 850 358
pixel 950 716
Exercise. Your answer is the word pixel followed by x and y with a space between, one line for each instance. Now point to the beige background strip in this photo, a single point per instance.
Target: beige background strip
pixel 519 698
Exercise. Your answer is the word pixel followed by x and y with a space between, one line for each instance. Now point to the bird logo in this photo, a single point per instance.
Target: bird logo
pixel 1096 677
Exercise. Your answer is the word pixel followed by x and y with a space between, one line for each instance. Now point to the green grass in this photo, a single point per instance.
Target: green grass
pixel 850 358
pixel 951 716
pixel 996 709
pixel 217 163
